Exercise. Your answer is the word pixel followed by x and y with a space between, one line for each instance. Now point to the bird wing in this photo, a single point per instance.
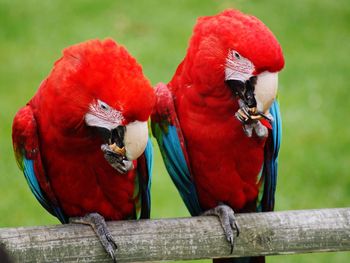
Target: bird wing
pixel 269 172
pixel 28 157
pixel 166 129
pixel 142 194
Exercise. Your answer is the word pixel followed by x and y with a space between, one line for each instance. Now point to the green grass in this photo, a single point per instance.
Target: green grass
pixel 315 36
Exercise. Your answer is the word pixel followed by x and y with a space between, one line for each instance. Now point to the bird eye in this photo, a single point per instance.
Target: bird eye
pixel 237 55
pixel 103 105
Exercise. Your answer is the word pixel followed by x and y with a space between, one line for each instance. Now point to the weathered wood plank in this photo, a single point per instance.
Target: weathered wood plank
pixel 185 238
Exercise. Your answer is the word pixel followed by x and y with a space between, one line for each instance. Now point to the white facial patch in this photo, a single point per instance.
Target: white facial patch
pixel 238 67
pixel 102 115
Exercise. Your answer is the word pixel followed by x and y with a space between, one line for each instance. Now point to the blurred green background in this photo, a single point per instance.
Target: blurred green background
pixel 314 34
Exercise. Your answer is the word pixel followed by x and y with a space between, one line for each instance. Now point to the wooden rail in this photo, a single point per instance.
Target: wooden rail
pixel 272 233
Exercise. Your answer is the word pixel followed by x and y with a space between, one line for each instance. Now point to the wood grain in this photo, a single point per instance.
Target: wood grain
pixel 272 233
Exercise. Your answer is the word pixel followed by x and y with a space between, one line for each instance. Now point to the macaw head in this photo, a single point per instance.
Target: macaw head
pixel 98 86
pixel 238 52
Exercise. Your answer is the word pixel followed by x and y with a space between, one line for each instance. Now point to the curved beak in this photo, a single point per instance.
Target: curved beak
pixel 258 91
pixel 129 140
pixel 135 139
pixel 266 90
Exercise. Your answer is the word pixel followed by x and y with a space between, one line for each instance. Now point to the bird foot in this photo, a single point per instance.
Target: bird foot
pixel 98 224
pixel 227 220
pixel 117 161
pixel 250 118
pixel 260 130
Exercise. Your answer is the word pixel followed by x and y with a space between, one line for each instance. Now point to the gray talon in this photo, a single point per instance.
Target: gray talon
pixel 246 111
pixel 255 125
pixel 251 124
pixel 98 224
pixel 232 244
pixel 260 130
pixel 248 129
pixel 227 220
pixel 118 162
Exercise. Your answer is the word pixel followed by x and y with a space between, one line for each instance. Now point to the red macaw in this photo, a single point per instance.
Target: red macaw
pixel 82 140
pixel 217 122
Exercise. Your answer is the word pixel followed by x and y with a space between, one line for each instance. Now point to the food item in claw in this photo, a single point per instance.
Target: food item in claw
pixel 251 114
pixel 117 150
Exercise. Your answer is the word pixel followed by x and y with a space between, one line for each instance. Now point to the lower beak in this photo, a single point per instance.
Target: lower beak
pixel 116 141
pixel 244 90
pixel 117 136
pixel 114 138
pixel 129 141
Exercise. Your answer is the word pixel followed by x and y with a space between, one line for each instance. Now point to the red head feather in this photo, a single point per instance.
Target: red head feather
pixel 214 36
pixel 96 70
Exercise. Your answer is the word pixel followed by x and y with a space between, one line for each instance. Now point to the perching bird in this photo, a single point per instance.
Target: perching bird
pixel 82 140
pixel 217 122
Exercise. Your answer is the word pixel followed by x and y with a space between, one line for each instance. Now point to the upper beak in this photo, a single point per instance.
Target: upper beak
pixel 266 90
pixel 135 139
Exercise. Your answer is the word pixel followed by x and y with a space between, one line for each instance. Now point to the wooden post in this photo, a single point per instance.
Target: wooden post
pixel 272 233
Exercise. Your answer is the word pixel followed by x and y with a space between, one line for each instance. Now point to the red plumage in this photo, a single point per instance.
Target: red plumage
pixel 212 121
pixel 73 171
pixel 214 36
pixel 225 163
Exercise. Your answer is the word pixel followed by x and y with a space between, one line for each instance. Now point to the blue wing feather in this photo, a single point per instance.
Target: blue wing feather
pixel 172 146
pixel 147 181
pixel 26 147
pixel 271 160
pixel 28 170
pixel 29 174
pixel 179 171
pixel 149 160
